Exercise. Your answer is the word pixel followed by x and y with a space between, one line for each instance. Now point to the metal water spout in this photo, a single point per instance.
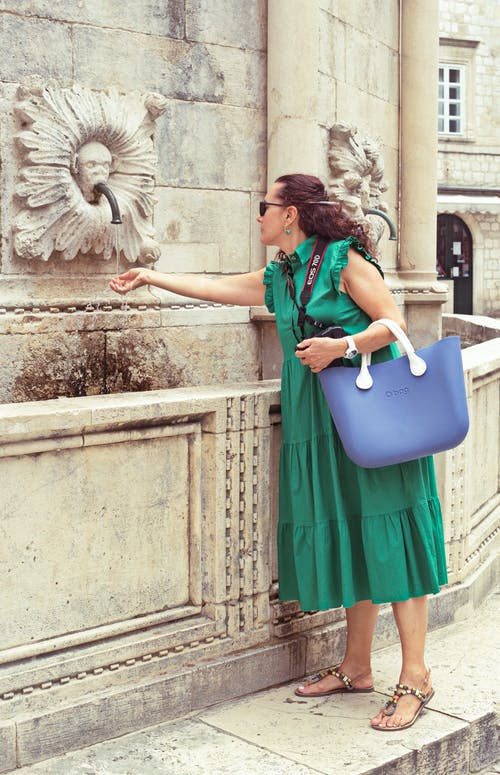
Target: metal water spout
pixel 102 188
pixel 370 211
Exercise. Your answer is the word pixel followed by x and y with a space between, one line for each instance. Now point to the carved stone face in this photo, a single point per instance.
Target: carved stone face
pixel 101 137
pixel 93 165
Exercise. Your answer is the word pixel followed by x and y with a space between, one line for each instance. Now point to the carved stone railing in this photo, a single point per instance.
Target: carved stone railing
pixel 139 565
pixel 469 475
pixel 472 329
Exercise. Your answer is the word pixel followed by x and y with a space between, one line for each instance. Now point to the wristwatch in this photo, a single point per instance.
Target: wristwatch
pixel 352 350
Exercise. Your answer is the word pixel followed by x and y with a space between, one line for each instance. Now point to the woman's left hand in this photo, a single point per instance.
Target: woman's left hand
pixel 319 353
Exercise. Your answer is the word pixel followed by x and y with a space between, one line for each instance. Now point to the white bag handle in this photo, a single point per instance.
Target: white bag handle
pixel 418 366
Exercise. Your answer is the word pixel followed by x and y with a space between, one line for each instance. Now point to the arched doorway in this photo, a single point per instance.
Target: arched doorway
pixel 454 260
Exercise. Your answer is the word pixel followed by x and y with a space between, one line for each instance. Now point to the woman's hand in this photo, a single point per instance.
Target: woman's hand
pixel 129 281
pixel 318 353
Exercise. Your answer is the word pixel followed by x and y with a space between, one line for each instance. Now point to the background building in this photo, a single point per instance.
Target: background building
pixel 468 239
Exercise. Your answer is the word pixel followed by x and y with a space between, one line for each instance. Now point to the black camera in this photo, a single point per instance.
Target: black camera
pixel 332 332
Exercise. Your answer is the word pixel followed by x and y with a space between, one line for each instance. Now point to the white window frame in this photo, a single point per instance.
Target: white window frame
pixel 461 54
pixel 446 102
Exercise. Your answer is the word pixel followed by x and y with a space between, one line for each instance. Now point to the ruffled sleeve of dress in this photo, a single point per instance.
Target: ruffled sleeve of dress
pixel 269 273
pixel 340 258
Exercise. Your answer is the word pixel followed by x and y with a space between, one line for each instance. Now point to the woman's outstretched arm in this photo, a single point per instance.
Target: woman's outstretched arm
pixel 240 289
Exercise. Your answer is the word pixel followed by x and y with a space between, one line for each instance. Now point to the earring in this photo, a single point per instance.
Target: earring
pixel 288 231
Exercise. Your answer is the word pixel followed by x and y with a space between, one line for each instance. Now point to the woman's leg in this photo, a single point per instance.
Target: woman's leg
pixel 361 620
pixel 411 621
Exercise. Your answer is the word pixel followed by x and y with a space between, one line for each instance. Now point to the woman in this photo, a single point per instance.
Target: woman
pixel 347 535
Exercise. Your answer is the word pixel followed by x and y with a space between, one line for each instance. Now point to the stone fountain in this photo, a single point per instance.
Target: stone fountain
pixel 83 174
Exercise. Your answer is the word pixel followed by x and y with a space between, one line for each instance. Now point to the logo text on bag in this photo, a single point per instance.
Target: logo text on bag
pixel 397 392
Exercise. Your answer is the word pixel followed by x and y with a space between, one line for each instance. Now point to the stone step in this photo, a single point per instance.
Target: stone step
pixel 273 732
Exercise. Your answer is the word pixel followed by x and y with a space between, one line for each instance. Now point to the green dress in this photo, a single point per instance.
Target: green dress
pixel 345 533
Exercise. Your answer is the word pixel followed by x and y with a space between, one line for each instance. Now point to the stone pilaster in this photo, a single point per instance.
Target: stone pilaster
pixel 423 296
pixel 293 133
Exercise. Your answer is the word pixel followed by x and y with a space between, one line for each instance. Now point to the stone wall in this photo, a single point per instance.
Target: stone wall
pixel 489 266
pixel 469 168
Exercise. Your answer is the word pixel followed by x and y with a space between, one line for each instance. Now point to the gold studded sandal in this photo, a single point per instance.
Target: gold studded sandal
pixel 391 705
pixel 345 687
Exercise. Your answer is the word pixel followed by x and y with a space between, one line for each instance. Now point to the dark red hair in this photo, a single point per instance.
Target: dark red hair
pixel 326 220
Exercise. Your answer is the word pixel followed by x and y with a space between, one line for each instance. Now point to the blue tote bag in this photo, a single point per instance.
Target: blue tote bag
pixel 401 409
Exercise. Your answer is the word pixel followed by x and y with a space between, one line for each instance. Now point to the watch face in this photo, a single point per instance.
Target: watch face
pixel 351 351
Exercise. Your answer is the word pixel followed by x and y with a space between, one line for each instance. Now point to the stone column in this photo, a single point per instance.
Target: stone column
pixel 293 134
pixel 419 52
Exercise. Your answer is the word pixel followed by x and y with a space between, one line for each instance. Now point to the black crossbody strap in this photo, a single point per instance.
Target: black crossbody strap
pixel 313 267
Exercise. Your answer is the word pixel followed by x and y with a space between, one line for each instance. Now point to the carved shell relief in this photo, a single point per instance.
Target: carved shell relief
pixel 71 139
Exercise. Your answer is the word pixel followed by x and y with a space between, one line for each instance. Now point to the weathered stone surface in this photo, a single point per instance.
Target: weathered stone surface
pixel 333 57
pixel 100 718
pixel 218 140
pixel 272 354
pixel 304 724
pixel 243 24
pixel 175 316
pixel 238 134
pixel 191 747
pixel 177 69
pixel 130 552
pixel 182 356
pixel 352 103
pixel 7 747
pixel 96 316
pixel 35 368
pixel 484 741
pixel 46 356
pixel 374 21
pixel 184 218
pixel 23 55
pixel 149 16
pixel 122 656
pixel 243 674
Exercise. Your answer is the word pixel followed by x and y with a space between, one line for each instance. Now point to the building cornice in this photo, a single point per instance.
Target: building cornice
pixel 468 191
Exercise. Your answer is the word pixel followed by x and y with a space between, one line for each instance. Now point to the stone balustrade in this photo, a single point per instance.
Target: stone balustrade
pixel 138 561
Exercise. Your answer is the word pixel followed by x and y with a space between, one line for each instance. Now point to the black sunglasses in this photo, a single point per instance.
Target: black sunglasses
pixel 264 205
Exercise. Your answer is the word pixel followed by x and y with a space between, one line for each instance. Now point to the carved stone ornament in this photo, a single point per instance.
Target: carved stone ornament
pixel 73 138
pixel 356 174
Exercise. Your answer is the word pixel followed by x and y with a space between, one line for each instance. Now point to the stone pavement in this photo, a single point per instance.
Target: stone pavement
pixel 275 733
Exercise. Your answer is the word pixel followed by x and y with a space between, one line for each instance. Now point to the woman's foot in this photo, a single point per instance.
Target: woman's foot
pixel 409 699
pixel 340 678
